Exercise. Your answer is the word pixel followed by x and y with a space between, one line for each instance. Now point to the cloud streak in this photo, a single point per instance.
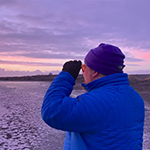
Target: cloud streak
pixel 29 63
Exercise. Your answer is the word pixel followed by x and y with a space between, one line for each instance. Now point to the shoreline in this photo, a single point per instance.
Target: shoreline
pixel 138 77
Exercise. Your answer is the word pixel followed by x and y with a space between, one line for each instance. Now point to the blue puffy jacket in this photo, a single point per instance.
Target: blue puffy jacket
pixel 109 116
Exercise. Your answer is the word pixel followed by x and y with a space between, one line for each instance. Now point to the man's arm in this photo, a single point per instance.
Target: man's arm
pixel 78 114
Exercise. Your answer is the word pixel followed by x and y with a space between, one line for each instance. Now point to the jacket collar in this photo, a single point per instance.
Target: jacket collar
pixel 113 79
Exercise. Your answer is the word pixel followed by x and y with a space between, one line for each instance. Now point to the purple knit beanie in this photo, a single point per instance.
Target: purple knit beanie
pixel 105 59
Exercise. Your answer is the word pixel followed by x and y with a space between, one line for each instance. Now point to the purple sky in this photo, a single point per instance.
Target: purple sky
pixel 38 36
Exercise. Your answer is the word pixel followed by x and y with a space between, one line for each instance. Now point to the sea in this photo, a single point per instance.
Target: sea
pixel 21 125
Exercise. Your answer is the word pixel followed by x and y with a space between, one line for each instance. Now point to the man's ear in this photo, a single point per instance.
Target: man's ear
pixel 95 74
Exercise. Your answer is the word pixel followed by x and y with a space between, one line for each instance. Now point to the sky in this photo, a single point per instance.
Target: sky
pixel 39 36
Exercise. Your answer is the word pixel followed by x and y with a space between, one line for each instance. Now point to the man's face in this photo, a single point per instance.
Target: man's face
pixel 87 73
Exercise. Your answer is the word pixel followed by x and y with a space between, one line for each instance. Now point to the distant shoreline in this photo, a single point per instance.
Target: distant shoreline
pixel 29 78
pixel 51 77
pixel 47 78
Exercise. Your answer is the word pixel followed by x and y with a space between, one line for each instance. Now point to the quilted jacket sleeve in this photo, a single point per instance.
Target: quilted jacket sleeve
pixel 70 114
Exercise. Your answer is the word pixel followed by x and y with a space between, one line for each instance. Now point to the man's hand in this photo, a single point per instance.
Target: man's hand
pixel 72 67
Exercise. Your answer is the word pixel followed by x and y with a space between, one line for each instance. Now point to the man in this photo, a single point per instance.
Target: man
pixel 109 116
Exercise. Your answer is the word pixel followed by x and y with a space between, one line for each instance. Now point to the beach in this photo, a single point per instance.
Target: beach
pixel 21 125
